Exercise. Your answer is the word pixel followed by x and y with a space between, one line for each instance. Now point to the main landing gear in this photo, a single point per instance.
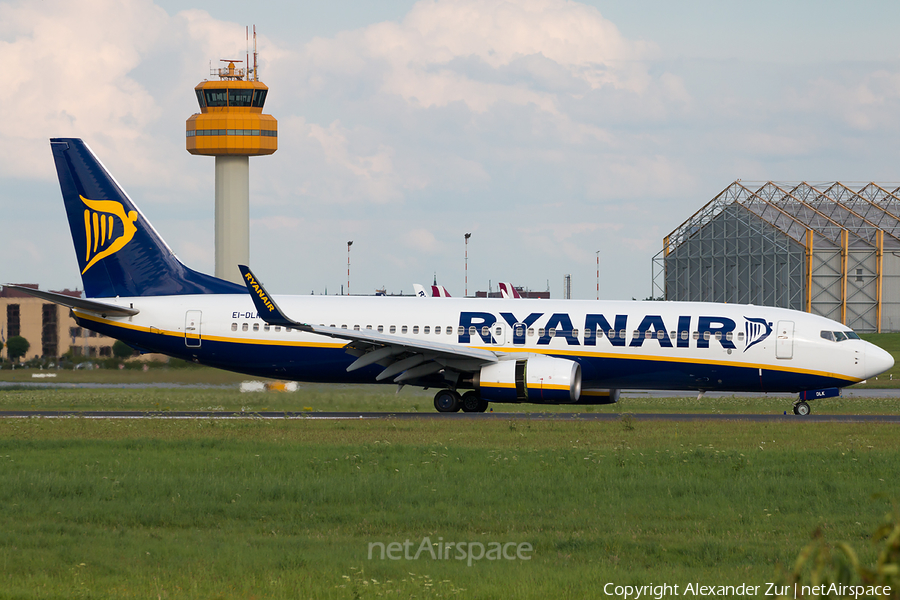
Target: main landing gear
pixel 801 408
pixel 449 401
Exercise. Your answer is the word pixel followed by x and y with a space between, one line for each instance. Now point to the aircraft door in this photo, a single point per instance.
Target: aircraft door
pixel 784 342
pixel 192 337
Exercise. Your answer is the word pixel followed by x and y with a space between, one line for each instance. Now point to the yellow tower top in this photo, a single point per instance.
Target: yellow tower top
pixel 230 119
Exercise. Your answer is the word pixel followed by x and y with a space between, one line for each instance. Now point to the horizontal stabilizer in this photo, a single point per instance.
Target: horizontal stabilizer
pixel 100 308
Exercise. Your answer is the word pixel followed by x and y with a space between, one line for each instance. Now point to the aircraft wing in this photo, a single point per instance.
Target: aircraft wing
pixel 83 304
pixel 404 359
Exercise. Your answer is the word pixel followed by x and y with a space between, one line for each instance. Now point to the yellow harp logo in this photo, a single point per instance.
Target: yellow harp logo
pixel 102 237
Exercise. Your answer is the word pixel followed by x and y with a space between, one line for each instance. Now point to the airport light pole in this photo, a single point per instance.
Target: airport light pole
pixel 348 266
pixel 468 235
pixel 598 274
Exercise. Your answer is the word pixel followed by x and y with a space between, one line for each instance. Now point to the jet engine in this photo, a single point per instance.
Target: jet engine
pixel 540 379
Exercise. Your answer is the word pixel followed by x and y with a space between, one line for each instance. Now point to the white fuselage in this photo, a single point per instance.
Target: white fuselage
pixel 653 345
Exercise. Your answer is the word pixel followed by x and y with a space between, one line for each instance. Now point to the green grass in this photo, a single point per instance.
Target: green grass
pixel 287 509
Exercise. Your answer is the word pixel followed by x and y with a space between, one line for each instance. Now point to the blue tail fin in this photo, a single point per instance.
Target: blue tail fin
pixel 119 253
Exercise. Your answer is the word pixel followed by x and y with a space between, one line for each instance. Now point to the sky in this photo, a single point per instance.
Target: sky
pixel 555 132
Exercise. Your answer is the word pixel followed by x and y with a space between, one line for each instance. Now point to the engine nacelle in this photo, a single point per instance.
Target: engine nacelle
pixel 534 379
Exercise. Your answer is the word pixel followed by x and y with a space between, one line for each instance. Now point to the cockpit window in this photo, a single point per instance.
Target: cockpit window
pixel 839 336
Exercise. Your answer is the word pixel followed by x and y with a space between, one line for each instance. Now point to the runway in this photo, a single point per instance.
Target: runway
pixel 489 416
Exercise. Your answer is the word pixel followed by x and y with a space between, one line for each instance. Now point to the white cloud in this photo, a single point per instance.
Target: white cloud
pixel 485 52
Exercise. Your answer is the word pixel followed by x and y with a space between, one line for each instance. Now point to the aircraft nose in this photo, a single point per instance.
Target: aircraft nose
pixel 877 360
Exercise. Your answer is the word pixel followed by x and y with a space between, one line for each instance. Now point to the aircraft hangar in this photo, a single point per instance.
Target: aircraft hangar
pixel 831 249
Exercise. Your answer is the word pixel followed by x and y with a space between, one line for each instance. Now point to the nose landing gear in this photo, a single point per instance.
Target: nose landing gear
pixel 801 408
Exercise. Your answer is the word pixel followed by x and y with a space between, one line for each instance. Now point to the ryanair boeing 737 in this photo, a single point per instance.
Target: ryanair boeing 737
pixel 474 351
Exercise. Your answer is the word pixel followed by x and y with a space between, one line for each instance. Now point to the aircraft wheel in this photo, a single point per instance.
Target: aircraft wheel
pixel 471 402
pixel 801 408
pixel 447 401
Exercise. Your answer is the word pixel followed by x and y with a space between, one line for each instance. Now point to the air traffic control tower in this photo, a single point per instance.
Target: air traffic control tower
pixel 231 127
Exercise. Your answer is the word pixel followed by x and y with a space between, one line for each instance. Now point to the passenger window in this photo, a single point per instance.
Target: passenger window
pixel 403 329
pixel 540 332
pixel 437 329
pixel 648 334
pixel 472 330
pixel 381 329
pixel 520 331
pixel 660 334
pixel 278 328
pixel 575 333
pixel 622 334
pixel 729 336
pixel 234 326
pixel 498 331
pixel 288 329
pixel 684 335
pixel 343 326
pixel 718 336
pixel 552 332
pixel 356 328
pixel 256 327
pixel 450 330
pixel 612 334
pixel 696 335
pixel 531 332
pixel 244 327
pixel 426 329
pixel 393 329
pixel 740 336
pixel 267 327
pixel 368 327
pixel 706 336
pixel 485 331
pixel 415 329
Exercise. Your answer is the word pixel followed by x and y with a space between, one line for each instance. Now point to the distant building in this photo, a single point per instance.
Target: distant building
pixel 48 327
pixel 523 293
pixel 831 249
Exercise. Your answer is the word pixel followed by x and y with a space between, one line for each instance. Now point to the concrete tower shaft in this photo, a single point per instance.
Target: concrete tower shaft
pixel 232 215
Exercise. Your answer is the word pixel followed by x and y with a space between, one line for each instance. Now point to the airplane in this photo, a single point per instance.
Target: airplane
pixel 437 291
pixel 473 351
pixel 507 290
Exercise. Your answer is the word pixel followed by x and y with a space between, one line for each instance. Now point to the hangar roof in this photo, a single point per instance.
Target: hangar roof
pixel 825 208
